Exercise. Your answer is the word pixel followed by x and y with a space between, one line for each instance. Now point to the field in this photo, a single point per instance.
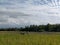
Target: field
pixel 30 38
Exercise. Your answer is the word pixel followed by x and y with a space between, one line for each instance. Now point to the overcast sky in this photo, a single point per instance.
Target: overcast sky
pixel 17 13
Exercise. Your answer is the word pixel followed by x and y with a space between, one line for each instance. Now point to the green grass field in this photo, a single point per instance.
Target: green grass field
pixel 32 38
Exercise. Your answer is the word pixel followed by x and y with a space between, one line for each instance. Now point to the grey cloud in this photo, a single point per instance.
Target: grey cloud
pixel 5 3
pixel 53 13
pixel 13 14
pixel 3 20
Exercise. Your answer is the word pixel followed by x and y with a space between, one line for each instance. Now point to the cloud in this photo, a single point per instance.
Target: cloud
pixel 17 13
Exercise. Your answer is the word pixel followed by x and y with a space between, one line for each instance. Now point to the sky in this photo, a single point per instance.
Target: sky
pixel 20 13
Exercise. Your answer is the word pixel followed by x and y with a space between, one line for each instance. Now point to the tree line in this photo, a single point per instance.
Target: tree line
pixel 36 28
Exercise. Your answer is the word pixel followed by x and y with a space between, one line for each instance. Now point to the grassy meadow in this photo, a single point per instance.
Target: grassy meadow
pixel 30 38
